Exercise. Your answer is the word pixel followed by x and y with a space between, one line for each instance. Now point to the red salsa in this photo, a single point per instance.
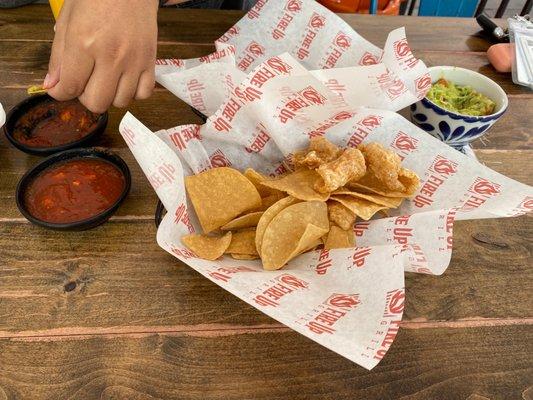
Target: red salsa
pixel 74 190
pixel 54 123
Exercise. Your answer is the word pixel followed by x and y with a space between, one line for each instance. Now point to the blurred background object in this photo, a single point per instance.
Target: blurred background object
pixel 384 7
pixel 438 8
pixel 468 8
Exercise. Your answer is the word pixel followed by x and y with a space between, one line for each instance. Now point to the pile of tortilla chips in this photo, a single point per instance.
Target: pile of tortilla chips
pixel 253 216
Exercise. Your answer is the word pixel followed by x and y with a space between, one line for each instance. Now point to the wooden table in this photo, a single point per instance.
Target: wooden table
pixel 95 315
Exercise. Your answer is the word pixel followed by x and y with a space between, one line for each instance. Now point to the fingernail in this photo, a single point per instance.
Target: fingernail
pixel 47 82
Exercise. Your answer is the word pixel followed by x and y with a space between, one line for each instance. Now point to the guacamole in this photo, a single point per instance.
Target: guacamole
pixel 460 99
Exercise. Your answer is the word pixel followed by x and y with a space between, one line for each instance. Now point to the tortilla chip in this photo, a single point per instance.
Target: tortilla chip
pixel 292 231
pixel 244 221
pixel 299 184
pixel 391 202
pixel 267 217
pixel 256 178
pixel 307 241
pixel 243 242
pixel 269 200
pixel 340 215
pixel 244 256
pixel 362 208
pixel 219 195
pixel 339 238
pixel 207 247
pixel 370 184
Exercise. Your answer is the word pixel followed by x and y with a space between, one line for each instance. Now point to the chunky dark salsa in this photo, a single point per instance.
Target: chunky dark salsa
pixel 74 190
pixel 54 123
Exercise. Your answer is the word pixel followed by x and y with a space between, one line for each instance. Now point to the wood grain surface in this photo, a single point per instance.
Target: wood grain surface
pixel 95 315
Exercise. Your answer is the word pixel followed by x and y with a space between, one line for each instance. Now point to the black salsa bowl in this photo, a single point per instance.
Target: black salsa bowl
pixel 74 154
pixel 26 106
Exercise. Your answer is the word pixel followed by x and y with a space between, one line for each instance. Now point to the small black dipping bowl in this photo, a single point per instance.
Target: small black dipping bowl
pixel 74 154
pixel 27 104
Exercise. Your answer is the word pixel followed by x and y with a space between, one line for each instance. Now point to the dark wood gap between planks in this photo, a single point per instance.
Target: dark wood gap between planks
pixel 227 330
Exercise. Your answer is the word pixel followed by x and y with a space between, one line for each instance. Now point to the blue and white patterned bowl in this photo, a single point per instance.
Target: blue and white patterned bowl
pixel 455 129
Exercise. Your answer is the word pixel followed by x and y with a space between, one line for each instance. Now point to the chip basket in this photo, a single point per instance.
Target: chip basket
pixel 200 114
pixel 159 213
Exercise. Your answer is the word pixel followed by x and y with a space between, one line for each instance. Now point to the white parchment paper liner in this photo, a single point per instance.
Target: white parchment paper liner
pixel 350 300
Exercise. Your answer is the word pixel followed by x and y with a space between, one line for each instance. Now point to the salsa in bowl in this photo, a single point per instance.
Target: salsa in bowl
pixel 74 190
pixel 40 125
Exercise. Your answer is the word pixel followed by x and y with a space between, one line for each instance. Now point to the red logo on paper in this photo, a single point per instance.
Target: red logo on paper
pixel 317 21
pixel 344 300
pixel 483 186
pixel 181 215
pixel 404 142
pixel 359 256
pixel 343 115
pixel 329 312
pixel 363 128
pixel 182 252
pixel 313 96
pixel 285 284
pixel 444 166
pixel 324 262
pixel 371 121
pixel 396 301
pixel 401 48
pixel 423 82
pixel 225 273
pixel 480 191
pixel 527 204
pixel 170 61
pixel 360 228
pixel 342 40
pixel 218 159
pixel 368 59
pixel 293 281
pixel 277 64
pixel 294 5
pixel 439 171
pixel 256 49
pixel 396 88
pixel 129 136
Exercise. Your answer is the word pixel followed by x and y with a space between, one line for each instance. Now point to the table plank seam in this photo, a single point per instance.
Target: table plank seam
pixel 215 330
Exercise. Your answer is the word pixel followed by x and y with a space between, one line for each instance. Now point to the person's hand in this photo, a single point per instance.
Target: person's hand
pixel 104 52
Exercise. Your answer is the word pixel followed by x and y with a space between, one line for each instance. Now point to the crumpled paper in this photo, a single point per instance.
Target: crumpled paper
pixel 349 300
pixel 363 74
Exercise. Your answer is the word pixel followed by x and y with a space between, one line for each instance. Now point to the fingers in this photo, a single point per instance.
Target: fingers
pixel 106 64
pixel 132 86
pixel 146 84
pixel 76 69
pixel 127 86
pixel 101 87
